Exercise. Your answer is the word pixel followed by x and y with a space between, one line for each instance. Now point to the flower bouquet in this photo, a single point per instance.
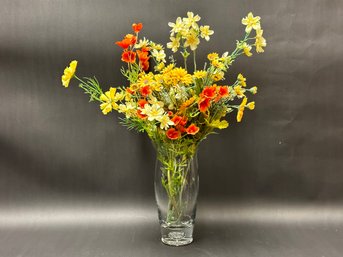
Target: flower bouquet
pixel 177 107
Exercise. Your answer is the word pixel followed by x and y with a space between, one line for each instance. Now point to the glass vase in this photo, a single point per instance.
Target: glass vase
pixel 176 191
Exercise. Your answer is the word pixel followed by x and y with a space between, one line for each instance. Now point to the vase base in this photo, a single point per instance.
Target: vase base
pixel 177 235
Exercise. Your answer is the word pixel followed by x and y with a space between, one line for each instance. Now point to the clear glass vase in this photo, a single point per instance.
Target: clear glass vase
pixel 176 191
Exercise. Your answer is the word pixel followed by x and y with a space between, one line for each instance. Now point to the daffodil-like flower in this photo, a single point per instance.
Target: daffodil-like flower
pixel 241 80
pixel 192 41
pixel 68 73
pixel 246 49
pixel 191 20
pixel 160 56
pixel 154 112
pixel 253 90
pixel 177 26
pixel 109 100
pixel 260 41
pixel 251 22
pixel 174 44
pixel 165 122
pixel 251 105
pixel 129 109
pixel 239 91
pixel 205 32
pixel 142 43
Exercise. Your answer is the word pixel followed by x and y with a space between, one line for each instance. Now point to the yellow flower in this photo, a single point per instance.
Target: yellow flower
pixel 260 41
pixel 142 43
pixel 159 55
pixel 219 124
pixel 159 66
pixel 177 26
pixel 109 101
pixel 174 44
pixel 155 46
pixel 168 68
pixel 241 109
pixel 176 76
pixel 239 91
pixel 191 20
pixel 68 73
pixel 253 90
pixel 218 76
pixel 200 74
pixel 129 108
pixel 246 49
pixel 212 56
pixel 165 122
pixel 251 22
pixel 205 32
pixel 251 105
pixel 145 79
pixel 241 80
pixel 218 64
pixel 192 41
pixel 154 112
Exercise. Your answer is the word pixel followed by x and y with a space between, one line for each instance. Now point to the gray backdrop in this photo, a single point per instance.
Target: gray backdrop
pixel 73 182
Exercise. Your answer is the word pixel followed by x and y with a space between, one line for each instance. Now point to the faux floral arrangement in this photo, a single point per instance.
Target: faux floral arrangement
pixel 176 106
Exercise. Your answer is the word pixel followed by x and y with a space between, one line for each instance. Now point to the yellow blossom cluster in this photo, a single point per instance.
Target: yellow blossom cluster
pixel 185 32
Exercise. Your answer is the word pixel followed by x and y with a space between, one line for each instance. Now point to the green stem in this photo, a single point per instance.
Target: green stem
pixel 194 59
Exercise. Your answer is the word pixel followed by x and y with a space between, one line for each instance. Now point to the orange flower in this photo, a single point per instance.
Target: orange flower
pixel 142 102
pixel 130 91
pixel 125 43
pixel 145 91
pixel 143 56
pixel 209 92
pixel 132 38
pixel 183 122
pixel 204 104
pixel 137 27
pixel 192 129
pixel 140 115
pixel 181 128
pixel 176 119
pixel 170 113
pixel 173 134
pixel 223 91
pixel 128 56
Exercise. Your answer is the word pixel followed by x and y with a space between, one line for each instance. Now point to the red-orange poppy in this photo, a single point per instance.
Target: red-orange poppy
pixel 183 122
pixel 192 129
pixel 145 91
pixel 173 134
pixel 209 92
pixel 181 128
pixel 176 119
pixel 223 91
pixel 128 56
pixel 142 102
pixel 132 38
pixel 125 43
pixel 204 104
pixel 137 27
pixel 143 57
